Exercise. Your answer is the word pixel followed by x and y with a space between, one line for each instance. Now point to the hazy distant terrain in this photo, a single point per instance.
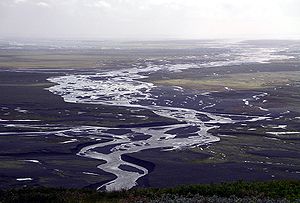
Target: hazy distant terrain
pixel 115 115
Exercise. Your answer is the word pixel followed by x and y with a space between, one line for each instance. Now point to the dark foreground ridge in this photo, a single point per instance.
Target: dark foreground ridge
pixel 272 191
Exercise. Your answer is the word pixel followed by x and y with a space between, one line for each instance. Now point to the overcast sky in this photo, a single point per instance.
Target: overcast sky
pixel 147 19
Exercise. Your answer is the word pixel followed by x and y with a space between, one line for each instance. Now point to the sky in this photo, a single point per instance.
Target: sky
pixel 150 19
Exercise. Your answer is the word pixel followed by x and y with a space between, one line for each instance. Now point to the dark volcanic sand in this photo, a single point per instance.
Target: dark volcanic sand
pixel 177 168
pixel 60 166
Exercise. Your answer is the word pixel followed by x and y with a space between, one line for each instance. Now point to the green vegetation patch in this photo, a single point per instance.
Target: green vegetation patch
pixel 9 164
pixel 241 81
pixel 274 190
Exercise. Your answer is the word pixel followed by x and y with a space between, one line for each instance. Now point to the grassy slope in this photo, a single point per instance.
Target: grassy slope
pixel 289 190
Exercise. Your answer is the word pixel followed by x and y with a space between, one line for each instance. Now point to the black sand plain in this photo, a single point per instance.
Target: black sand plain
pixel 242 153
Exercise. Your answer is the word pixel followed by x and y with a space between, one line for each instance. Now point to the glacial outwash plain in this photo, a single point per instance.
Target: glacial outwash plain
pixel 109 116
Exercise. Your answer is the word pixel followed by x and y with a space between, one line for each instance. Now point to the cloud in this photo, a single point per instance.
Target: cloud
pixel 43 4
pixel 20 1
pixel 102 4
pixel 149 18
pixel 97 4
